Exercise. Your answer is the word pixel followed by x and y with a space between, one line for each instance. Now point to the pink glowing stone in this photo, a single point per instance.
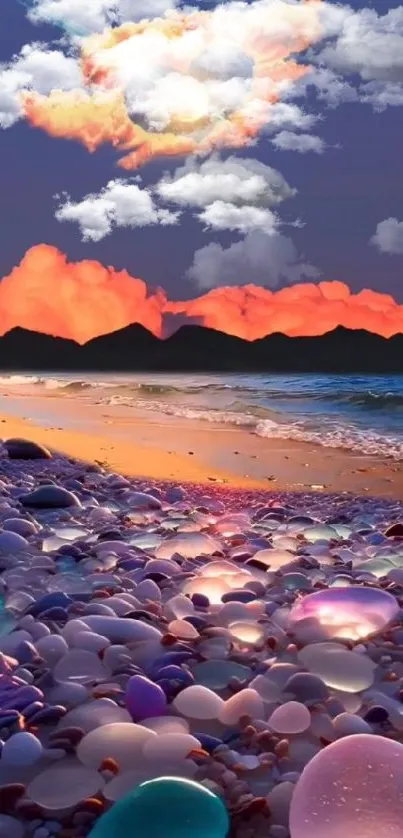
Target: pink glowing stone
pixel 354 787
pixel 350 613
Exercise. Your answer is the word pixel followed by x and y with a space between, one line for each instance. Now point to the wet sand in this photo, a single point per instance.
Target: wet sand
pixel 141 443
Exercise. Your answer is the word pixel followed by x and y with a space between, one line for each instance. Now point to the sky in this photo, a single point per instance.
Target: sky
pixel 200 148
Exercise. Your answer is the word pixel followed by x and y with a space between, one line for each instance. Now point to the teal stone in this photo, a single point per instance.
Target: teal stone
pixel 168 807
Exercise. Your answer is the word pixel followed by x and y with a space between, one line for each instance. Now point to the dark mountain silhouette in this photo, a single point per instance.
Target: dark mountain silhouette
pixel 198 349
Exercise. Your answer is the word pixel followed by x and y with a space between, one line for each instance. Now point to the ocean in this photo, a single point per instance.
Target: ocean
pixel 360 413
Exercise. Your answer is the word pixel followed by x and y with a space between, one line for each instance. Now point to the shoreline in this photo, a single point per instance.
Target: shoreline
pixel 156 446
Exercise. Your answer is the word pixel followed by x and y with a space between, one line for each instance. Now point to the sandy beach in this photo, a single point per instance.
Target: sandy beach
pixel 204 604
pixel 142 443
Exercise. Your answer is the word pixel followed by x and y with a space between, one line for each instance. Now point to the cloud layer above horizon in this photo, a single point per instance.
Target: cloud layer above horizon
pixel 198 92
pixel 89 299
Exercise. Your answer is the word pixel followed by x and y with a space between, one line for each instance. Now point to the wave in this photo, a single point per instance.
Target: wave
pixel 334 436
pixel 347 437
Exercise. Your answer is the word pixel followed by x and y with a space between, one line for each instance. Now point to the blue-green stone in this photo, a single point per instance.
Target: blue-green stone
pixel 168 807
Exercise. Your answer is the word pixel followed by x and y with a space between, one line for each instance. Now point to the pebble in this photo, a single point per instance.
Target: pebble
pixel 232 640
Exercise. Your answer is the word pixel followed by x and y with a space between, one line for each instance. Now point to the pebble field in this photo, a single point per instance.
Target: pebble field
pixel 182 661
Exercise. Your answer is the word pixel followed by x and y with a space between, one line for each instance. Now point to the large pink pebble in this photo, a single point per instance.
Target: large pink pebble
pixel 354 787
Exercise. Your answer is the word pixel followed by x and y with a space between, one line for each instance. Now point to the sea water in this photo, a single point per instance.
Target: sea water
pixel 361 413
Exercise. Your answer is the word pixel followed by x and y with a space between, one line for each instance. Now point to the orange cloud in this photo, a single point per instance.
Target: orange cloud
pixel 81 300
pixel 194 109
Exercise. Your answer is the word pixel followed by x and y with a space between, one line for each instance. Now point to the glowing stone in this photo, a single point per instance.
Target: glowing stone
pixel 247 632
pixel 350 613
pixel 212 587
pixel 188 545
pixel 352 787
pixel 167 807
pixel 338 668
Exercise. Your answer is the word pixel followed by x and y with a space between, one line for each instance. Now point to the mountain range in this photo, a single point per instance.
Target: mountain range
pixel 200 349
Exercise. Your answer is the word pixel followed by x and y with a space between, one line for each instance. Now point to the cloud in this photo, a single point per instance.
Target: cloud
pixel 119 204
pixel 234 180
pixel 232 194
pixel 366 44
pixel 288 141
pixel 35 68
pixel 267 260
pixel 81 300
pixel 382 95
pixel 388 237
pixel 167 86
pixel 224 216
pixel 93 16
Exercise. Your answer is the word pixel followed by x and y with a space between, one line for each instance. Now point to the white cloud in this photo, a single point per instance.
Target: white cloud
pixel 330 88
pixel 303 143
pixel 88 16
pixel 35 68
pixel 234 180
pixel 258 258
pixel 388 237
pixel 224 216
pixel 382 95
pixel 365 43
pixel 120 204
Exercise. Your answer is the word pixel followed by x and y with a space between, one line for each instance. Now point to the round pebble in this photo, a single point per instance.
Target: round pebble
pixel 189 811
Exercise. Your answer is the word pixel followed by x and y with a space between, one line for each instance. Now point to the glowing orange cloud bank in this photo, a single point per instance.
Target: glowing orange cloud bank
pixel 200 81
pixel 81 300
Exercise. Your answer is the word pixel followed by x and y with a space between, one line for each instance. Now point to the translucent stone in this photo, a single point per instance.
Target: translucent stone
pixel 189 810
pixel 198 702
pixel 183 630
pixel 167 724
pixel 69 583
pixel 94 714
pixel 350 613
pixel 64 784
pixel 121 630
pixel 320 533
pixel 273 558
pixel 213 588
pixel 52 648
pixel 145 541
pixel 170 747
pixel 215 674
pixel 80 666
pixel 122 742
pixel 11 828
pixel 352 787
pixel 215 648
pixel 179 606
pixel 244 703
pixel 21 749
pixel 268 690
pixel 188 545
pixel 338 667
pixel 70 533
pixel 247 632
pixel 346 724
pixel 122 784
pixel 376 567
pixel 292 717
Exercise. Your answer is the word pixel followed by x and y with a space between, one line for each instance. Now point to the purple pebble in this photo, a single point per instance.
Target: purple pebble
pixel 144 699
